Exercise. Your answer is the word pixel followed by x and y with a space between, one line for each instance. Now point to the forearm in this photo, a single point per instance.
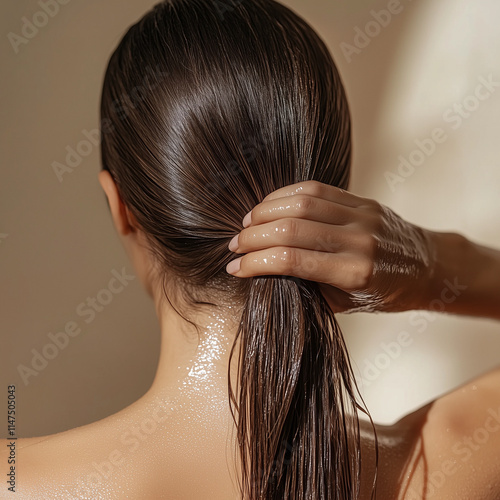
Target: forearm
pixel 465 277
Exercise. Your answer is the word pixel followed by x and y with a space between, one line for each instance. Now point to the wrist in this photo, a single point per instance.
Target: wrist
pixel 447 263
pixel 421 291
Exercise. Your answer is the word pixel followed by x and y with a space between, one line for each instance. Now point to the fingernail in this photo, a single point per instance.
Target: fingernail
pixel 233 244
pixel 247 219
pixel 234 266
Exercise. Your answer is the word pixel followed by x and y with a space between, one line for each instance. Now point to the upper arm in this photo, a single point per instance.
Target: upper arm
pixel 455 452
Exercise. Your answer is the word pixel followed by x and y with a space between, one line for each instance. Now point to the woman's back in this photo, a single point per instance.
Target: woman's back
pixel 149 451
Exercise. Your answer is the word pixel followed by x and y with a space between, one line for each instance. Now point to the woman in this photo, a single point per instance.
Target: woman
pixel 226 133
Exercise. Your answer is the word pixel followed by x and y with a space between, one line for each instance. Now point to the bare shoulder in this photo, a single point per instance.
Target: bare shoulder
pixel 452 444
pixel 158 448
pixel 97 460
pixel 9 463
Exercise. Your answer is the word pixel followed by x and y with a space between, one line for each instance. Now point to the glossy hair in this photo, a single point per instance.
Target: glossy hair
pixel 206 108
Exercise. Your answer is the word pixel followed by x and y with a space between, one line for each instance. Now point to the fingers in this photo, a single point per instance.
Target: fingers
pixel 341 270
pixel 309 230
pixel 308 199
pixel 301 206
pixel 318 190
pixel 299 233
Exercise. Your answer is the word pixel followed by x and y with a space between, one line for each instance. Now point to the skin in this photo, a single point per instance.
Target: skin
pixel 150 446
pixel 351 244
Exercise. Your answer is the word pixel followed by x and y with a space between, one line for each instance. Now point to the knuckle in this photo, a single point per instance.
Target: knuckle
pixel 303 205
pixel 377 222
pixel 314 188
pixel 288 260
pixel 363 273
pixel 288 228
pixel 376 208
pixel 369 244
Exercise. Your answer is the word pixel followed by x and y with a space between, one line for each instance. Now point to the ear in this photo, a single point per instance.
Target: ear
pixel 122 218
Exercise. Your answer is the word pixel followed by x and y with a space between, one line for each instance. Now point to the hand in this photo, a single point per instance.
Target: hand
pixel 364 256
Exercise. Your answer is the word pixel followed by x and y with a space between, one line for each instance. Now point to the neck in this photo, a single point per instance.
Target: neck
pixel 196 359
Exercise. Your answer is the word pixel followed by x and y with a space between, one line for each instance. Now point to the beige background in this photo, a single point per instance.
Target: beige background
pixel 58 247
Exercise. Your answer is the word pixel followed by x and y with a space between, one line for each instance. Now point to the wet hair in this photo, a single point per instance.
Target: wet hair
pixel 206 108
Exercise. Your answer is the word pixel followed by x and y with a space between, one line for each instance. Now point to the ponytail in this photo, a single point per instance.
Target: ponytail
pixel 295 398
pixel 188 172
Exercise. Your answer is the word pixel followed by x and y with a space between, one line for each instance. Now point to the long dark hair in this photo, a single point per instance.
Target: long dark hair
pixel 206 108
